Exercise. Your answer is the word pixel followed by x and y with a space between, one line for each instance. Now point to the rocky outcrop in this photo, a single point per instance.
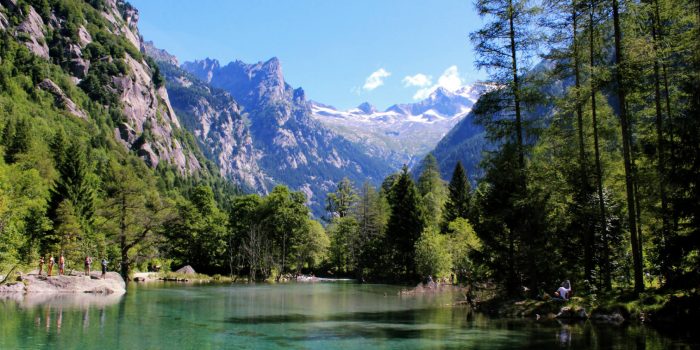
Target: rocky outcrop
pixel 62 101
pixel 113 283
pixel 4 23
pixel 148 48
pixel 147 108
pixel 149 124
pixel 214 118
pixel 31 33
pixel 295 149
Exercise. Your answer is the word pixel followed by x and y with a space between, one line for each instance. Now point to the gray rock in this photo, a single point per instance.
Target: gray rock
pixel 571 313
pixel 187 270
pixel 61 99
pixel 157 54
pixel 84 36
pixel 33 28
pixel 112 284
pixel 4 23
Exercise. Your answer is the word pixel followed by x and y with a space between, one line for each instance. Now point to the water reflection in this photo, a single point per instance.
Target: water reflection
pixel 288 316
pixel 65 300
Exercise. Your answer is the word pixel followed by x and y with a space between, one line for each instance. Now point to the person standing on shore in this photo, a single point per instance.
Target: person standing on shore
pixel 88 262
pixel 41 264
pixel 104 267
pixel 51 262
pixel 61 265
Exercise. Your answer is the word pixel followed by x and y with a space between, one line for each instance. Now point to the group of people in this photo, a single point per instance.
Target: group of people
pixel 62 265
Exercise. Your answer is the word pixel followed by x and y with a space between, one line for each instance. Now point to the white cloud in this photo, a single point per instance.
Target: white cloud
pixel 423 93
pixel 417 80
pixel 449 80
pixel 376 79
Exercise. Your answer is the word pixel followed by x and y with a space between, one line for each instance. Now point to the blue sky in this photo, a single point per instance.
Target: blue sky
pixel 341 52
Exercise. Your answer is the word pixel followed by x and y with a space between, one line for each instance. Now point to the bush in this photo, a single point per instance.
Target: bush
pixel 432 254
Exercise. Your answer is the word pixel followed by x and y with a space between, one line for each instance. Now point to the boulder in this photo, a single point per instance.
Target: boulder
pixel 111 284
pixel 187 270
pixel 572 313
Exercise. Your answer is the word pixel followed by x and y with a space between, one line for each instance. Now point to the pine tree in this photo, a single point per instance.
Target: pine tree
pixel 342 201
pixel 626 132
pixel 459 197
pixel 432 190
pixel 405 225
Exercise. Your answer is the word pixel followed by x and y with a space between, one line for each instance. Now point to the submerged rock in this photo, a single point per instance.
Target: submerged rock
pixel 112 283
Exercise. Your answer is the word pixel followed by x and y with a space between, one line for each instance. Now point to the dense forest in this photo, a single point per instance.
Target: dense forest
pixel 593 174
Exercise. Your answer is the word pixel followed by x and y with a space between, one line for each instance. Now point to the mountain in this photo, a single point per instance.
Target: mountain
pixel 466 141
pixel 403 133
pixel 289 146
pixel 95 45
pixel 215 119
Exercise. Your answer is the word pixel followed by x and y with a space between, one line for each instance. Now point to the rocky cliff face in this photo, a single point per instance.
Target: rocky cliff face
pixel 102 54
pixel 295 149
pixel 214 117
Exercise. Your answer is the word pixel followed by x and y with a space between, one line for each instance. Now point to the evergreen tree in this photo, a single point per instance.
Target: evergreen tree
pixel 372 214
pixel 626 131
pixel 459 197
pixel 132 215
pixel 405 225
pixel 341 202
pixel 432 189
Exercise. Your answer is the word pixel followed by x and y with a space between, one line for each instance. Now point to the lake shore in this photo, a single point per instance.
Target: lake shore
pixel 675 313
pixel 113 283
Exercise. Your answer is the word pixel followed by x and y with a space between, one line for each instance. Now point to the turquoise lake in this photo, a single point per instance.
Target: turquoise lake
pixel 283 316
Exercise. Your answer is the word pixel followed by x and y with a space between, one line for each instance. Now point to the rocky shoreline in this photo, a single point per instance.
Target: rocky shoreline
pixel 113 283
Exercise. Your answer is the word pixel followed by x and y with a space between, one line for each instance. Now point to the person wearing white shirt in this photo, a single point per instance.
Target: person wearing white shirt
pixel 564 291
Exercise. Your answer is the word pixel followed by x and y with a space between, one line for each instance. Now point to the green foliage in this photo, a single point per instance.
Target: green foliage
pixel 405 225
pixel 340 202
pixel 432 254
pixel 458 199
pixel 344 245
pixel 432 189
pixel 464 246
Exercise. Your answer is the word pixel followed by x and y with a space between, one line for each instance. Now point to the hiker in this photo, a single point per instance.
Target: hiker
pixel 51 263
pixel 104 267
pixel 88 262
pixel 564 292
pixel 61 265
pixel 41 265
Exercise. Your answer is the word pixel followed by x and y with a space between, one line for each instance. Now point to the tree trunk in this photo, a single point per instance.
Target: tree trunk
pixel 588 233
pixel 605 268
pixel 660 149
pixel 626 151
pixel 516 90
pixel 124 264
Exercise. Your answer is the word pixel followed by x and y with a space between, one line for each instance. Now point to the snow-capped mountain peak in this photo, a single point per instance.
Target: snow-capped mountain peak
pixel 403 132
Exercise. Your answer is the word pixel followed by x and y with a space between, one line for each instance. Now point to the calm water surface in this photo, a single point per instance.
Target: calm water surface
pixel 299 316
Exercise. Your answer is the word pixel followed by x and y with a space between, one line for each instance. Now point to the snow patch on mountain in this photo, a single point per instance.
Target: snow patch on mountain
pixel 403 133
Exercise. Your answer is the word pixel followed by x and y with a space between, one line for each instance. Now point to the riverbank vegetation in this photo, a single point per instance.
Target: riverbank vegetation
pixel 592 176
